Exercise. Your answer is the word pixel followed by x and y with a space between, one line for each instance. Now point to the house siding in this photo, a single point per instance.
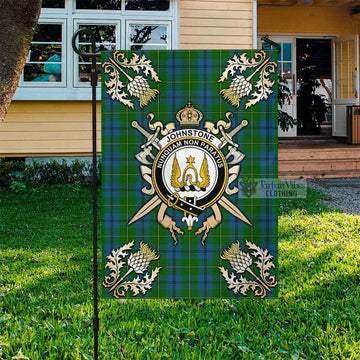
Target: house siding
pixel 45 128
pixel 216 24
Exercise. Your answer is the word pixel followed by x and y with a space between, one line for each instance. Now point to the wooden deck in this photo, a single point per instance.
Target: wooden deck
pixel 318 160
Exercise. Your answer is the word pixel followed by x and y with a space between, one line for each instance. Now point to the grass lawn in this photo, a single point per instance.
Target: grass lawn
pixel 46 295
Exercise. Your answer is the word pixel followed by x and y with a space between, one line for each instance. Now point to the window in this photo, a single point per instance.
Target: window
pixel 44 64
pixel 147 5
pixel 99 4
pixel 153 5
pixel 54 72
pixel 285 58
pixel 53 4
pixel 106 36
pixel 148 37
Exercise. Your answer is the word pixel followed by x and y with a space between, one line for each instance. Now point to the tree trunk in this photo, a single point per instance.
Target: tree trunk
pixel 18 19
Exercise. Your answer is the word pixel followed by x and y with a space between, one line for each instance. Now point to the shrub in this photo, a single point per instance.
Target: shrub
pixel 18 175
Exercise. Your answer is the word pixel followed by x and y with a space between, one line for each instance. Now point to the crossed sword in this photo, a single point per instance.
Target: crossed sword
pixel 155 200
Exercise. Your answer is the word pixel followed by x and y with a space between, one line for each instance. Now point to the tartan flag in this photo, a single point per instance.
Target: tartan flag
pixel 186 136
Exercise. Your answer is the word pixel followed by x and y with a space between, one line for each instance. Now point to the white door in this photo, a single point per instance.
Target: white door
pixel 287 69
pixel 346 80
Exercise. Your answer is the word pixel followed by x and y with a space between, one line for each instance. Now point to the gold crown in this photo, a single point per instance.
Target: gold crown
pixel 189 116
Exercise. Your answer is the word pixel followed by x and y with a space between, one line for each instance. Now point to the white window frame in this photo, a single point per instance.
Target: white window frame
pixel 129 23
pixel 55 84
pixel 71 88
pixel 56 10
pixel 77 24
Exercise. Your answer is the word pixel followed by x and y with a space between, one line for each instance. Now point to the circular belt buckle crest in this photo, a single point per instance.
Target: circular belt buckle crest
pixel 193 170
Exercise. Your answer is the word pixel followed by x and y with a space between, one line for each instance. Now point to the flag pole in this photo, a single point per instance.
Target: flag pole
pixel 93 56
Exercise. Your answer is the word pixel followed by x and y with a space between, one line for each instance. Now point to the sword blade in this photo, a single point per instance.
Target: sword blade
pixel 145 209
pixel 233 209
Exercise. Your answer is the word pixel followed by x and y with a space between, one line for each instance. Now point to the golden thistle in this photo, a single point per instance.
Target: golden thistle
pixel 140 261
pixel 137 86
pixel 140 88
pixel 241 86
pixel 239 260
pixel 238 88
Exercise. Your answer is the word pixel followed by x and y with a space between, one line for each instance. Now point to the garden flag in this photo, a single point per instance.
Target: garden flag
pixel 186 136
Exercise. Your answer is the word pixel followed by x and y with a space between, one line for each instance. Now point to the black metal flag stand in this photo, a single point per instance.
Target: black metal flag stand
pixel 93 56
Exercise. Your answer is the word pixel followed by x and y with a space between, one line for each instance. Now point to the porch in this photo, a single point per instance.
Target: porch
pixel 319 59
pixel 316 158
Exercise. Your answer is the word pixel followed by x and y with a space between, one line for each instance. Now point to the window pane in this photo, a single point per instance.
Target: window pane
pixel 40 52
pixel 105 36
pixel 286 51
pixel 286 70
pixel 103 33
pixel 99 47
pixel 44 63
pixel 160 5
pixel 266 46
pixel 148 47
pixel 43 72
pixel 55 4
pixel 99 4
pixel 47 33
pixel 148 34
pixel 85 72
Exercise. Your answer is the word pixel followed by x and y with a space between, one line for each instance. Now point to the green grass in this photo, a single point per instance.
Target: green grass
pixel 46 295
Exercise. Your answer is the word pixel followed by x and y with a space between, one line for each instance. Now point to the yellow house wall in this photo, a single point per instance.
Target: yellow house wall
pixel 45 128
pixel 214 24
pixel 48 128
pixel 307 20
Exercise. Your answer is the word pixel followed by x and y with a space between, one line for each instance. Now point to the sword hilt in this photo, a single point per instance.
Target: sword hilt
pixel 138 127
pixel 235 130
pixel 151 138
pixel 227 137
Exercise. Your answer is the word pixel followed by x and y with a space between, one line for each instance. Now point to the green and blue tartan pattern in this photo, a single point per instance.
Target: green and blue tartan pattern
pixel 188 269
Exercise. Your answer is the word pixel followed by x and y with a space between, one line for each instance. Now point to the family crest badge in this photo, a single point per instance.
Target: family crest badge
pixel 177 144
pixel 190 172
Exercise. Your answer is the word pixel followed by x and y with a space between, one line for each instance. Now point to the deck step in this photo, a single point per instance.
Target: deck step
pixel 325 160
pixel 321 175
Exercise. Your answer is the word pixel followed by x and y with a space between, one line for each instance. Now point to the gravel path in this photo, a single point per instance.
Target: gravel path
pixel 344 192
